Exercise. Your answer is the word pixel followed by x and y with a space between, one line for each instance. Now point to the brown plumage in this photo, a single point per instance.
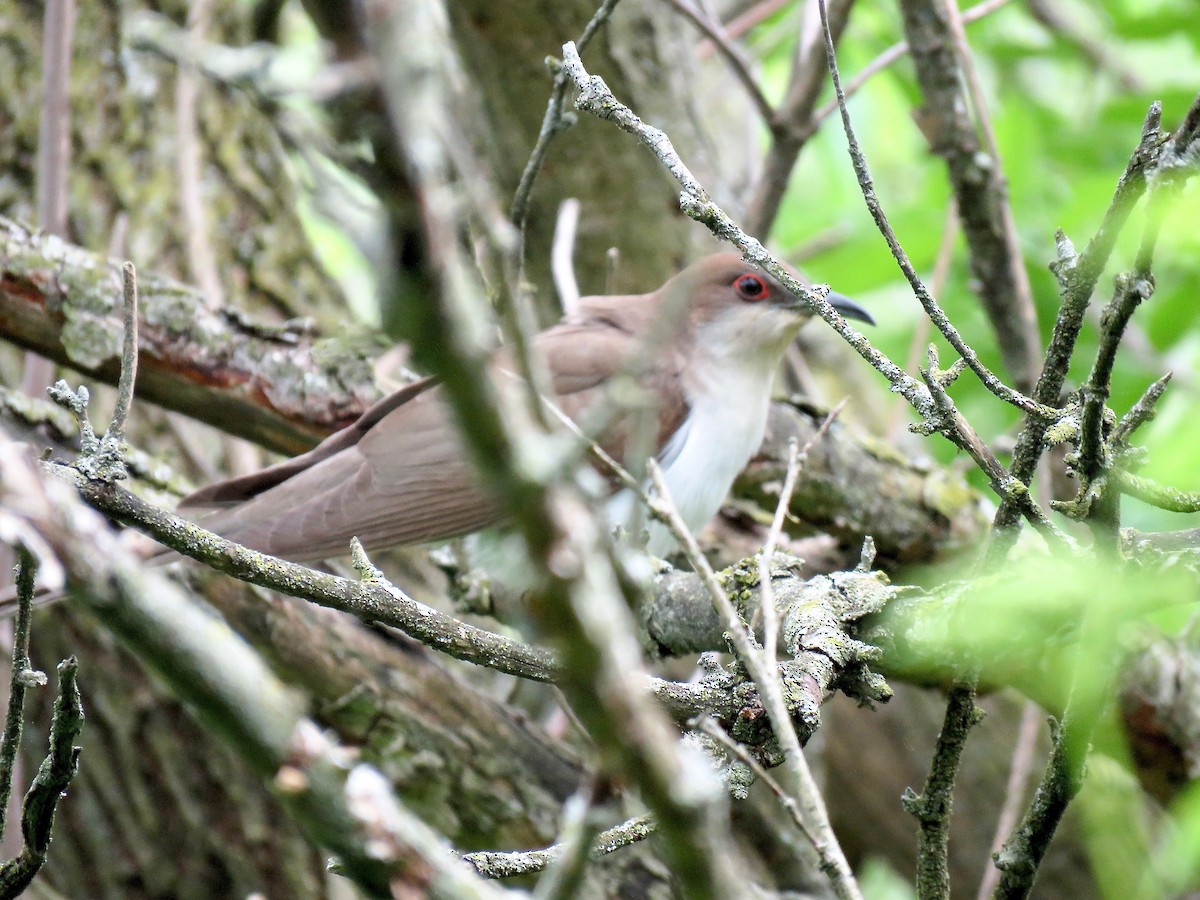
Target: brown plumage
pixel 400 474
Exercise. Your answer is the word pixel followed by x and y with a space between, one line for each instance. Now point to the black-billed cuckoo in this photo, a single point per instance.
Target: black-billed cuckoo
pixel 401 475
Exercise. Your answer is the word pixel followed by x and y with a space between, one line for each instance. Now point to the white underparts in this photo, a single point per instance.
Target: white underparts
pixel 729 391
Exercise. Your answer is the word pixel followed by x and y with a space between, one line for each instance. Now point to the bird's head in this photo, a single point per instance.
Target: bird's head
pixel 734 304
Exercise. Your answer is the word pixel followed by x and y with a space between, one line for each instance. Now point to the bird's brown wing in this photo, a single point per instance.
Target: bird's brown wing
pixel 606 339
pixel 403 480
pixel 238 490
pixel 400 475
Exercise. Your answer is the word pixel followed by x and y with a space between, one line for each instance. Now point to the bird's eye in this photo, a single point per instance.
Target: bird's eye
pixel 750 287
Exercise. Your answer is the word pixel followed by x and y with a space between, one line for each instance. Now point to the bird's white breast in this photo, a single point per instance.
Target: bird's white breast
pixel 723 430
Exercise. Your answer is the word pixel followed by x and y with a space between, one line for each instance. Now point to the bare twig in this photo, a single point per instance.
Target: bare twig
pixel 493 864
pixel 797 457
pixel 1077 274
pixel 893 53
pixel 577 832
pixel 1130 291
pixel 23 676
pixel 714 731
pixel 933 805
pixel 552 123
pixel 1170 499
pixel 1022 853
pixel 1014 790
pixel 937 281
pixel 1139 414
pixel 129 353
pixel 931 307
pixel 1005 287
pixel 368 600
pixel 562 251
pixel 734 57
pixel 49 786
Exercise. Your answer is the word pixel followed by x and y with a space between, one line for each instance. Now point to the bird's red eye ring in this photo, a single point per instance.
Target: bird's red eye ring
pixel 751 288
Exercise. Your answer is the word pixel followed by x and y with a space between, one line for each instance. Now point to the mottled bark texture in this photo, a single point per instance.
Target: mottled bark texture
pixel 123 191
pixel 279 387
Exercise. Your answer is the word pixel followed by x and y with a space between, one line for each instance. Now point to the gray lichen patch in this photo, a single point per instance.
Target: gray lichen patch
pixel 90 339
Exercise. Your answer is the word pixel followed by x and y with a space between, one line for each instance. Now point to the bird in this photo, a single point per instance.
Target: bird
pixel 401 473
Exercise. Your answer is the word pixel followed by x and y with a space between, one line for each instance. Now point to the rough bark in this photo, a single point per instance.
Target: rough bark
pixel 276 386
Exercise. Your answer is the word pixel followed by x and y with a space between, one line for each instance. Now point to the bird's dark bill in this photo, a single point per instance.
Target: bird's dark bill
pixel 849 308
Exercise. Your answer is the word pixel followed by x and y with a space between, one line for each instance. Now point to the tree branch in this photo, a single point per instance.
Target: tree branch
pixel 274 385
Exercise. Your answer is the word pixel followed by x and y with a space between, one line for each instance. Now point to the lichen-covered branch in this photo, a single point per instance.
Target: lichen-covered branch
pixel 274 385
pixel 495 864
pixel 1077 275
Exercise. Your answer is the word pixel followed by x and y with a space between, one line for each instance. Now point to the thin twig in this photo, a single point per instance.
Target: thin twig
pixel 1014 790
pixel 1130 291
pixel 1010 301
pixel 717 733
pixel 497 864
pixel 959 432
pixel 552 124
pixel 129 352
pixel 1077 274
pixel 931 307
pixel 562 252
pixel 23 676
pixel 933 806
pixel 734 57
pixel 1139 414
pixel 1161 496
pixel 937 281
pixel 1022 853
pixel 577 833
pixel 797 457
pixel 50 784
pixel 891 55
